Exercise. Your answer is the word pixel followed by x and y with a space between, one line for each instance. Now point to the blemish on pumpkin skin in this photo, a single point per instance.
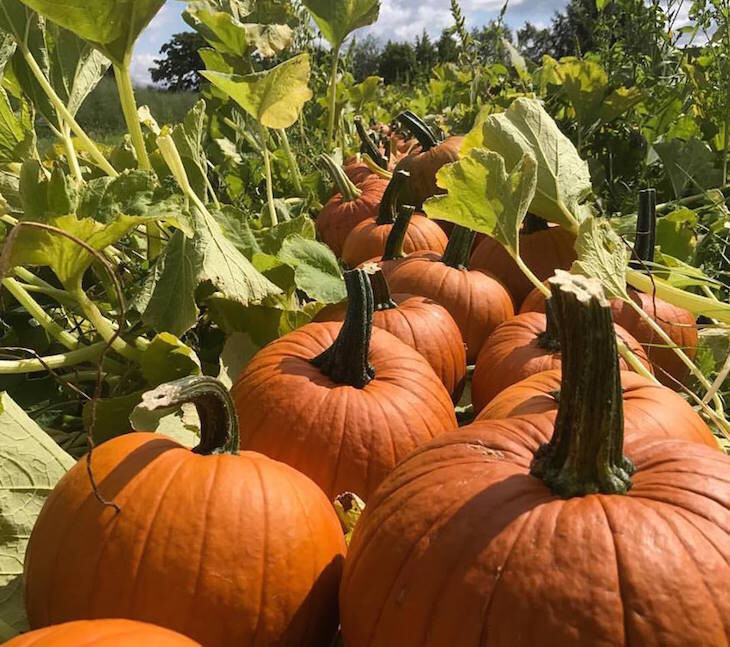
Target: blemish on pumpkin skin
pixel 483 448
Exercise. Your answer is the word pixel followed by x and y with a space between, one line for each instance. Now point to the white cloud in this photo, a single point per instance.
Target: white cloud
pixel 140 68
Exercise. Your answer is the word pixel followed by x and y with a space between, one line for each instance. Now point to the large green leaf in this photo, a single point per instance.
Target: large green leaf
pixel 316 270
pixel 337 19
pixel 31 466
pixel 689 164
pixel 16 136
pixel 274 97
pixel 563 179
pixel 585 83
pixel 481 195
pixel 112 26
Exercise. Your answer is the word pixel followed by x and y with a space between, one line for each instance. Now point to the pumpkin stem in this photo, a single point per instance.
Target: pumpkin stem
pixel 418 129
pixel 397 236
pixel 367 145
pixel 645 230
pixel 388 210
pixel 585 454
pixel 343 183
pixel 458 248
pixel 382 299
pixel 533 223
pixel 217 413
pixel 346 361
pixel 549 339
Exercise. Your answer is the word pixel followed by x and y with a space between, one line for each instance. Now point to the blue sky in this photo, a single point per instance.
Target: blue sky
pixel 399 19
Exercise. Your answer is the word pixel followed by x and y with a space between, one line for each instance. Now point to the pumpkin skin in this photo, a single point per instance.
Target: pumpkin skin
pixel 425 326
pixel 542 251
pixel 678 323
pixel 102 633
pixel 161 559
pixel 357 171
pixel 344 438
pixel 648 407
pixel 477 302
pixel 462 546
pixel 513 353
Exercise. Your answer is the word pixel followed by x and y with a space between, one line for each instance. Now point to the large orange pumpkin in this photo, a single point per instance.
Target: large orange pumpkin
pixel 367 239
pixel 477 301
pixel 102 633
pixel 419 322
pixel 492 536
pixel 543 249
pixel 202 541
pixel 424 161
pixel 349 206
pixel 522 346
pixel 342 403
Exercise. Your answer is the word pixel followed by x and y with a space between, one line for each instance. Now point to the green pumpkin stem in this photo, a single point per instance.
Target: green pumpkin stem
pixel 346 361
pixel 418 129
pixel 645 230
pixel 343 183
pixel 367 145
pixel 585 453
pixel 382 299
pixel 396 238
pixel 533 223
pixel 388 210
pixel 458 249
pixel 549 339
pixel 217 413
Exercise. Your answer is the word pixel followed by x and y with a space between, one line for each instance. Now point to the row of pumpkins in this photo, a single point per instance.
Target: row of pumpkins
pixel 585 505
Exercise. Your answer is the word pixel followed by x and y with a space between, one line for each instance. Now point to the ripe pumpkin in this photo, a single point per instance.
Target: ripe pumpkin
pixel 477 301
pixel 420 323
pixel 338 401
pixel 423 162
pixel 491 536
pixel 543 249
pixel 102 633
pixel 367 239
pixel 202 541
pixel 522 346
pixel 349 206
pixel 393 252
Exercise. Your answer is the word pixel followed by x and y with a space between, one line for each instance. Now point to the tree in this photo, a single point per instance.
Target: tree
pixel 365 57
pixel 178 70
pixel 398 63
pixel 448 50
pixel 426 54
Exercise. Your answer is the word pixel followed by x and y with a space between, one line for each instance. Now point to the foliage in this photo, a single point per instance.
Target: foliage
pixel 179 65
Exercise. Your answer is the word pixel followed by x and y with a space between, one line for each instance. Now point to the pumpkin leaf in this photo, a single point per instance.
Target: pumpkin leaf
pixel 16 137
pixel 484 197
pixel 316 270
pixel 167 359
pixel 337 19
pixel 349 507
pixel 273 97
pixel 689 164
pixel 112 26
pixel 32 464
pixel 563 180
pixel 237 352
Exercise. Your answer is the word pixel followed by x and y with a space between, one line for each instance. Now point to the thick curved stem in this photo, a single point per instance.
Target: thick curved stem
pixel 550 338
pixel 217 413
pixel 382 299
pixel 367 145
pixel 346 361
pixel 397 236
pixel 418 129
pixel 458 249
pixel 585 454
pixel 388 210
pixel 344 185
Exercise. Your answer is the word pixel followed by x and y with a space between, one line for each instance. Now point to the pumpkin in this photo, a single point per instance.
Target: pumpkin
pixel 201 541
pixel 102 633
pixel 477 301
pixel 522 346
pixel 349 206
pixel 498 536
pixel 423 162
pixel 342 403
pixel 367 239
pixel 393 252
pixel 418 322
pixel 543 249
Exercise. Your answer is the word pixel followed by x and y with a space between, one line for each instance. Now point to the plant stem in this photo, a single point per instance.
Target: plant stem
pixel 458 249
pixel 62 360
pixel 269 182
pixel 293 166
pixel 343 184
pixel 68 118
pixel 396 238
pixel 333 96
pixel 73 160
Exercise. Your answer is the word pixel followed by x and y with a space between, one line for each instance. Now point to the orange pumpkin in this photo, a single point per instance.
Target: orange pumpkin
pixel 418 322
pixel 493 536
pixel 522 346
pixel 102 633
pixel 338 402
pixel 367 239
pixel 477 301
pixel 349 206
pixel 543 249
pixel 201 542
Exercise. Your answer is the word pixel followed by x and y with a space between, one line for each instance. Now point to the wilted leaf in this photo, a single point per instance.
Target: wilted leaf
pixel 316 269
pixel 336 19
pixel 167 359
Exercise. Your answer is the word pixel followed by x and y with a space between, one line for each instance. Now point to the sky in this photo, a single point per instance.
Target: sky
pixel 399 20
